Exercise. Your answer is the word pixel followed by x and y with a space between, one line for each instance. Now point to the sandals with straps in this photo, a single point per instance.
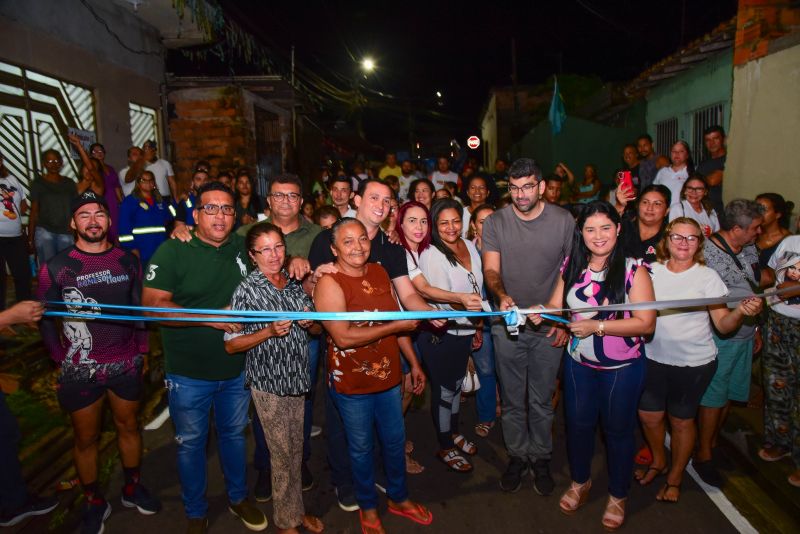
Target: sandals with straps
pixel 454 461
pixel 614 516
pixel 662 495
pixel 642 474
pixel 466 446
pixel 482 429
pixel 575 497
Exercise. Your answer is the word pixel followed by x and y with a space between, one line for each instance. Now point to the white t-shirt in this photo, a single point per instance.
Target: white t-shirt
pixel 439 178
pixel 673 180
pixel 709 223
pixel 466 215
pixel 12 194
pixel 412 260
pixel 683 336
pixel 161 169
pixel 785 255
pixel 440 273
pixel 127 189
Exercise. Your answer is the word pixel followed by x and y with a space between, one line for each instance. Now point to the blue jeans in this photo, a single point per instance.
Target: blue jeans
pixel 486 396
pixel 261 457
pixel 48 244
pixel 362 415
pixel 190 402
pixel 612 396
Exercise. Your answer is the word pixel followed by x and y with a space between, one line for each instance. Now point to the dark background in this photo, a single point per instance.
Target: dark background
pixel 459 48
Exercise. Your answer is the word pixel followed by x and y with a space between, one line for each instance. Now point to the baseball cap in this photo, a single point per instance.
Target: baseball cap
pixel 88 197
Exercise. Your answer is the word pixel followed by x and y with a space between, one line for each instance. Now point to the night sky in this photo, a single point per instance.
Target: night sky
pixel 463 49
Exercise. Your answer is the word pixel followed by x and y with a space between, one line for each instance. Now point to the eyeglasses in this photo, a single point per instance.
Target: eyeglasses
pixel 290 197
pixel 695 189
pixel 213 209
pixel 268 251
pixel 678 238
pixel 474 283
pixel 527 188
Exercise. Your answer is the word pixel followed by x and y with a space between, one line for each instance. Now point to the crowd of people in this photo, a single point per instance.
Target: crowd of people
pixel 389 239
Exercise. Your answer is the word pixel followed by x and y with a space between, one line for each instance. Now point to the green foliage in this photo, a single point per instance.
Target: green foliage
pixel 34 418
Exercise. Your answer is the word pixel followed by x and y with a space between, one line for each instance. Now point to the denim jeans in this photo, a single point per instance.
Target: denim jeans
pixel 261 457
pixel 362 415
pixel 13 493
pixel 190 402
pixel 48 244
pixel 610 396
pixel 486 396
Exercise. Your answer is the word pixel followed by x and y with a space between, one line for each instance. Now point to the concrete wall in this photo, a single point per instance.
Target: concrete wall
pixel 763 148
pixel 63 39
pixel 708 83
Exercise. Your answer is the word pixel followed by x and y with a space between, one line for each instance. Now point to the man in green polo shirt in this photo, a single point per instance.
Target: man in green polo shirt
pixel 203 273
pixel 285 200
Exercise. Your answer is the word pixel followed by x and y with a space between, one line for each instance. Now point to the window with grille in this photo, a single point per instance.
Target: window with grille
pixel 666 135
pixel 35 112
pixel 144 124
pixel 701 120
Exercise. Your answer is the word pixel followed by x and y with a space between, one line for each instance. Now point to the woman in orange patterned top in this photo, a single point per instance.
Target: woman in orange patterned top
pixel 364 372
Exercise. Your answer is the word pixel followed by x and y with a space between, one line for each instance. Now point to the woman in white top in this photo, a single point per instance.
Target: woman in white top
pixel 682 357
pixel 477 192
pixel 681 166
pixel 694 203
pixel 452 264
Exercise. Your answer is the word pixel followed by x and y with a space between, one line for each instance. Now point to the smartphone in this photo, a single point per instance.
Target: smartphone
pixel 625 181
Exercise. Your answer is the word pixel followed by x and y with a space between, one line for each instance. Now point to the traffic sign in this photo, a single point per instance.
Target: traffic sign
pixel 473 142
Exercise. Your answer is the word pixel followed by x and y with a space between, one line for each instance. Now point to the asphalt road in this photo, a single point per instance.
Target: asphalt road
pixel 460 503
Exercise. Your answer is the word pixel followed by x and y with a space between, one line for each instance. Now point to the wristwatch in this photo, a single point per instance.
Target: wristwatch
pixel 601 329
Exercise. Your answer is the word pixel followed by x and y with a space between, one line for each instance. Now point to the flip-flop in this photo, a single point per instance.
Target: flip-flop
pixel 660 471
pixel 375 525
pixel 665 489
pixel 415 516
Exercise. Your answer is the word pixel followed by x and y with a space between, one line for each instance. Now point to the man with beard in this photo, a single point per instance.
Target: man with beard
pixel 99 359
pixel 524 247
pixel 649 162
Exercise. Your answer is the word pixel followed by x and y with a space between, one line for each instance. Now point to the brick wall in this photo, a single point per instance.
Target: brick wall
pixel 209 124
pixel 758 23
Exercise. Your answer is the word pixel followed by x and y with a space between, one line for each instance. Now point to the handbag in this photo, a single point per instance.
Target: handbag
pixel 470 383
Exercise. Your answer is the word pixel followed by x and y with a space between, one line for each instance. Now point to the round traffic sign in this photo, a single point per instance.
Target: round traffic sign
pixel 473 142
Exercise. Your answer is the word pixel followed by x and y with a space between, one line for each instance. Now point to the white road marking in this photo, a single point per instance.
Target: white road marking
pixel 158 421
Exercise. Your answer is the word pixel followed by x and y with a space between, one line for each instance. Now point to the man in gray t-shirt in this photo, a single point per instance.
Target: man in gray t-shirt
pixel 524 246
pixel 731 253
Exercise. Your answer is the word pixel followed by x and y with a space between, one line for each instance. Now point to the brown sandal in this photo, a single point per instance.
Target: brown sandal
pixel 454 460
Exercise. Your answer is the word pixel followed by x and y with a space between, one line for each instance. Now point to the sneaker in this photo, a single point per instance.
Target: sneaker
pixel 263 488
pixel 252 517
pixel 140 499
pixel 708 473
pixel 511 480
pixel 315 431
pixel 33 506
pixel 307 478
pixel 543 482
pixel 94 515
pixel 197 525
pixel 346 500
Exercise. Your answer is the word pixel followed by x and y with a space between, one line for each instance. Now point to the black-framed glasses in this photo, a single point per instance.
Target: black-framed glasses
pixel 695 189
pixel 290 197
pixel 474 283
pixel 213 209
pixel 268 251
pixel 527 188
pixel 678 238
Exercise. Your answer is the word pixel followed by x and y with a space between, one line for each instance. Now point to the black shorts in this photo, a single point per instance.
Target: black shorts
pixel 676 390
pixel 74 396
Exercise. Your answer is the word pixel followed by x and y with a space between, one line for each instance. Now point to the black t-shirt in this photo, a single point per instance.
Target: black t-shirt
pixel 632 244
pixel 715 191
pixel 390 256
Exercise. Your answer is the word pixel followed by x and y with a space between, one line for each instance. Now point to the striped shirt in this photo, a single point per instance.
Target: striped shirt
pixel 279 365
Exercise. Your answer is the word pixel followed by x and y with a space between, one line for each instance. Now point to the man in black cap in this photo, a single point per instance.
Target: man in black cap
pixel 99 359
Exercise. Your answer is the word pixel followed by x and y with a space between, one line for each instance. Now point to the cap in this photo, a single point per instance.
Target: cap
pixel 88 197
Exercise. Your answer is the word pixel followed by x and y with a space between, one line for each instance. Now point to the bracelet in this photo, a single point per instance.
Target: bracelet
pixel 601 329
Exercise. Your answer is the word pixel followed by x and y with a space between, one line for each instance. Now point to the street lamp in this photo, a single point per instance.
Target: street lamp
pixel 367 64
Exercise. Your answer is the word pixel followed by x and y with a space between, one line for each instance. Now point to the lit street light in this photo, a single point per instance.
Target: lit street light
pixel 438 94
pixel 368 65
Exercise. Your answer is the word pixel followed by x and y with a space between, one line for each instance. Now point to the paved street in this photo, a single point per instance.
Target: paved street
pixel 460 503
